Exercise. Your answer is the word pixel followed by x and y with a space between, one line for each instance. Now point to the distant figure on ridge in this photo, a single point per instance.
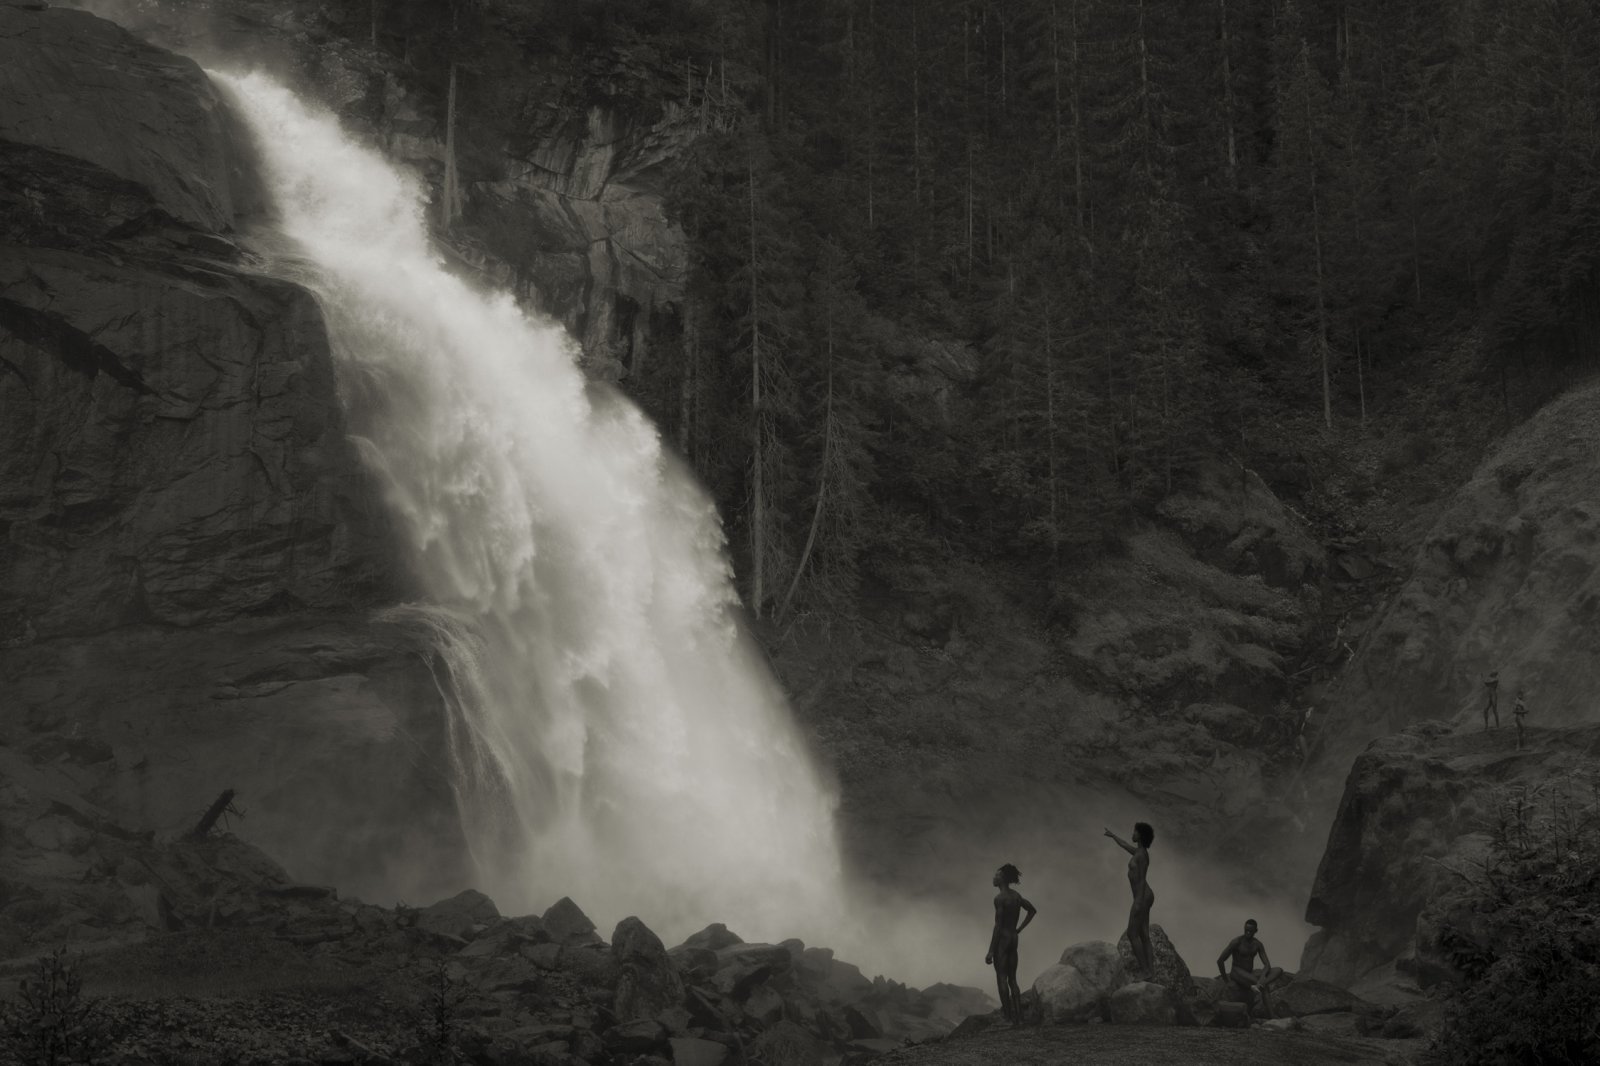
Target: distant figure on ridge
pixel 1491 685
pixel 1243 950
pixel 1143 898
pixel 1008 902
pixel 1518 713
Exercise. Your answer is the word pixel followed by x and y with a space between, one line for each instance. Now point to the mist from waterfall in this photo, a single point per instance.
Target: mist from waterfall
pixel 614 737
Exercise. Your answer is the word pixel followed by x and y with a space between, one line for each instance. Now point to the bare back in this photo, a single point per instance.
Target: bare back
pixel 1007 909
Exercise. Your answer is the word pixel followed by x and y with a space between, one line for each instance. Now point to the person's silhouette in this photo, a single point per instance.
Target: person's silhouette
pixel 1008 903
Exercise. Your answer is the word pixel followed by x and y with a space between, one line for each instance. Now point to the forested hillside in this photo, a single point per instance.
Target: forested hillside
pixel 988 278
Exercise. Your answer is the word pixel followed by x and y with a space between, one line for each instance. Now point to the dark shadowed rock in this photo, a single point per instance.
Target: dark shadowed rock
pixel 787 1044
pixel 863 1021
pixel 1171 972
pixel 814 964
pixel 763 1005
pixel 692 1051
pixel 139 114
pixel 1142 1003
pixel 647 983
pixel 1310 996
pixel 845 983
pixel 1414 812
pixel 1230 1015
pixel 567 924
pixel 461 915
pixel 635 1038
pixel 1099 962
pixel 713 937
pixel 1066 996
pixel 195 552
pixel 699 962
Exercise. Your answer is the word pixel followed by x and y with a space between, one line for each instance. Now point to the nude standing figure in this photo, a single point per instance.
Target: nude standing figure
pixel 1008 904
pixel 1143 898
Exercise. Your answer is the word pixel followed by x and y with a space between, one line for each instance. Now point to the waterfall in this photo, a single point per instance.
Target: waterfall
pixel 614 737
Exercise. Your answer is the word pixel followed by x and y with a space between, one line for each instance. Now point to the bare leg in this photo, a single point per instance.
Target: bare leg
pixel 1009 978
pixel 1005 990
pixel 1147 902
pixel 1246 983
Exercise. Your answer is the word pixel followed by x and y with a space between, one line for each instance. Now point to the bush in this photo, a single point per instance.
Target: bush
pixel 1531 956
pixel 51 1023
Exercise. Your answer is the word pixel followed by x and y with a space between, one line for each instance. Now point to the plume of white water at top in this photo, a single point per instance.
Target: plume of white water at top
pixel 615 738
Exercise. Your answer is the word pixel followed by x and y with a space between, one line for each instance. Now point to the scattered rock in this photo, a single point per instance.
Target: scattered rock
pixel 713 937
pixel 462 915
pixel 1307 995
pixel 786 1044
pixel 1171 972
pixel 1099 962
pixel 647 983
pixel 692 1051
pixel 634 1038
pixel 1066 996
pixel 568 925
pixel 1142 1003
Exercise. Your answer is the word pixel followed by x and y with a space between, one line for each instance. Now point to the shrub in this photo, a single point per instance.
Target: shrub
pixel 1531 959
pixel 51 1023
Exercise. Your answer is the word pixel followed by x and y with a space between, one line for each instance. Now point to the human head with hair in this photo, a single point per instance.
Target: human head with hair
pixel 1250 927
pixel 1143 834
pixel 1007 875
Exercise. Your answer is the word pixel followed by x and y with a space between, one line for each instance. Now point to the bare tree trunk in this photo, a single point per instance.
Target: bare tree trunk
pixel 1077 122
pixel 822 481
pixel 1050 430
pixel 687 384
pixel 1228 98
pixel 758 515
pixel 1361 380
pixel 451 179
pixel 1316 241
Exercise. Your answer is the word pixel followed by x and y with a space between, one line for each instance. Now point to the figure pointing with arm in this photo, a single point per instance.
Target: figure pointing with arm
pixel 1008 903
pixel 1143 897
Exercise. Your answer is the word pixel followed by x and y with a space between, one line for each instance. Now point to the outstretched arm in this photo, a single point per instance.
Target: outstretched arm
pixel 994 937
pixel 1123 844
pixel 1031 912
pixel 1261 949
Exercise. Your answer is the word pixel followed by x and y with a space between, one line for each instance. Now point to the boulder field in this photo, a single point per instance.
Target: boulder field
pixel 1095 982
pixel 239 963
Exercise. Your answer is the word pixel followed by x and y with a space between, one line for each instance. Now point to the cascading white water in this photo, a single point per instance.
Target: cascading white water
pixel 615 738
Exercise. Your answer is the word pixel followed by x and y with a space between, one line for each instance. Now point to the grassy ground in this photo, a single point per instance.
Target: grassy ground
pixel 1127 1045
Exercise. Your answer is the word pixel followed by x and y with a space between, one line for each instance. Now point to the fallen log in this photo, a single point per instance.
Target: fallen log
pixel 222 805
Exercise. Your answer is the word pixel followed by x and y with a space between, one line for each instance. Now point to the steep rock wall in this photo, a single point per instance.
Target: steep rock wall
pixel 1508 579
pixel 564 154
pixel 1413 829
pixel 192 553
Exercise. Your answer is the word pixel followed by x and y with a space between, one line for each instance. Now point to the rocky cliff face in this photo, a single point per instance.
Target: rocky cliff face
pixel 1506 580
pixel 192 552
pixel 564 155
pixel 197 568
pixel 1413 829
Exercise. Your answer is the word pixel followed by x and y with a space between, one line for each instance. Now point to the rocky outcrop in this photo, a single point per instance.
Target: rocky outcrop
pixel 1412 830
pixel 171 918
pixel 1508 579
pixel 193 557
pixel 564 154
